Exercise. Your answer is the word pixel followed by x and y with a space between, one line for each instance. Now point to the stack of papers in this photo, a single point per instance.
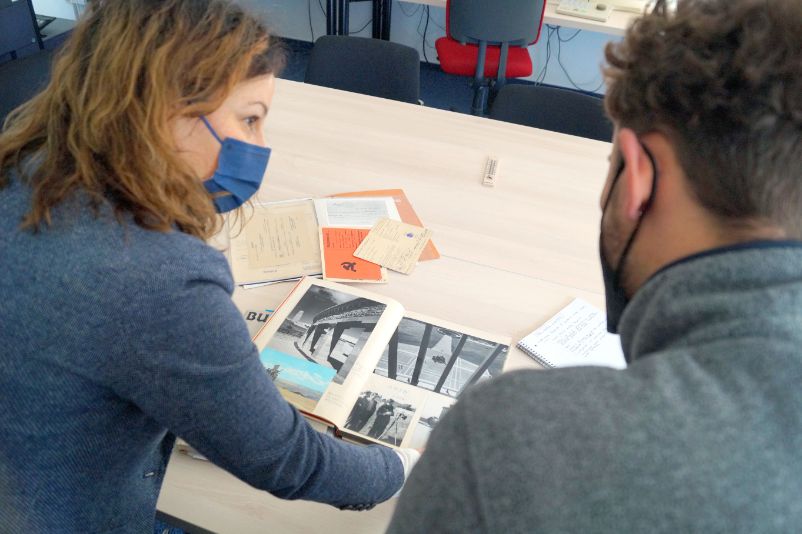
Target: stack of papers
pixel 287 240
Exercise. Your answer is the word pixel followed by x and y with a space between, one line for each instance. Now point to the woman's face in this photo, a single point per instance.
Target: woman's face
pixel 241 116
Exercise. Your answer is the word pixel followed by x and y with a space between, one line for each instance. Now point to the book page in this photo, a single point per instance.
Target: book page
pixel 426 365
pixel 577 335
pixel 278 242
pixel 354 212
pixel 323 342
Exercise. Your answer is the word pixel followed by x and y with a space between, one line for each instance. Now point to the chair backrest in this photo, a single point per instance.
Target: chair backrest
pixel 16 26
pixel 550 108
pixel 367 66
pixel 516 22
pixel 21 79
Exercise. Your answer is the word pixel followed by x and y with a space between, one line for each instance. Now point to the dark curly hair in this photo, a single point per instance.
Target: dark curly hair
pixel 723 80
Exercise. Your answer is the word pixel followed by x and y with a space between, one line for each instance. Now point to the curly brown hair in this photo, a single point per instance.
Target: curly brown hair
pixel 723 80
pixel 102 125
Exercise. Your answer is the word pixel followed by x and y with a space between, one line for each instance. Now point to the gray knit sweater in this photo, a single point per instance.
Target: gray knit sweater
pixel 702 433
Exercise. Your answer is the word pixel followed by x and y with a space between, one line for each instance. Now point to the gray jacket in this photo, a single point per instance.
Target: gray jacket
pixel 702 433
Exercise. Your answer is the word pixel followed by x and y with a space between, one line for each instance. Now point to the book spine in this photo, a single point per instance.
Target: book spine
pixel 535 355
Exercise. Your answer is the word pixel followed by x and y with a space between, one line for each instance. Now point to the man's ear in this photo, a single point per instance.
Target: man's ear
pixel 638 174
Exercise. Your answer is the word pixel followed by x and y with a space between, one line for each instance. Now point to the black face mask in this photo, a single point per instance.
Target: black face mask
pixel 614 293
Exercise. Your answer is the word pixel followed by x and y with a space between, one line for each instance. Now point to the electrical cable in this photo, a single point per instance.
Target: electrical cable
pixel 363 27
pixel 570 38
pixel 417 8
pixel 549 33
pixel 309 10
pixel 425 29
pixel 423 34
pixel 565 71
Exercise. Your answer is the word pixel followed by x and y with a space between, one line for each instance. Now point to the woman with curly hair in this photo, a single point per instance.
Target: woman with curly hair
pixel 118 329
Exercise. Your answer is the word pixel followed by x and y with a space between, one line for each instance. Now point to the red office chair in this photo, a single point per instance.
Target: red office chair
pixel 487 39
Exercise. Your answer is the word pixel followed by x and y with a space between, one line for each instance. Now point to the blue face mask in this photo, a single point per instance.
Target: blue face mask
pixel 240 169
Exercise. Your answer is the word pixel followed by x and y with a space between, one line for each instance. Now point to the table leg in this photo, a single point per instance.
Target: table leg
pixel 337 16
pixel 346 16
pixel 382 9
pixel 330 17
pixel 37 34
pixel 386 15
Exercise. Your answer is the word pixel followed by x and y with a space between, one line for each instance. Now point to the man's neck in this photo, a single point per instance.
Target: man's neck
pixel 693 236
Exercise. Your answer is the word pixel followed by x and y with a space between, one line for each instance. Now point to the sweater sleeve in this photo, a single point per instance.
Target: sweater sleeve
pixel 441 494
pixel 196 372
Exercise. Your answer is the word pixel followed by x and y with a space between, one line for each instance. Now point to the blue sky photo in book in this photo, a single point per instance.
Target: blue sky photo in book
pixel 301 381
pixel 439 360
pixel 327 328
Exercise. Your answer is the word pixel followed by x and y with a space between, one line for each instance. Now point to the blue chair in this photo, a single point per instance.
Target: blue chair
pixel 489 39
pixel 368 66
pixel 551 108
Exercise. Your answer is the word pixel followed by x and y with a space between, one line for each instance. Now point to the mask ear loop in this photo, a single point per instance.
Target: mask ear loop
pixel 225 202
pixel 209 127
pixel 631 240
pixel 615 181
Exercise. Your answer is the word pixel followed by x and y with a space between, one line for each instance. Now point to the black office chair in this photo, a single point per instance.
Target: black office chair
pixel 21 79
pixel 367 66
pixel 550 108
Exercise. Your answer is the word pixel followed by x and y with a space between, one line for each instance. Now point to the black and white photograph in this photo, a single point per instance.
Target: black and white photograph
pixel 383 411
pixel 429 415
pixel 440 360
pixel 329 328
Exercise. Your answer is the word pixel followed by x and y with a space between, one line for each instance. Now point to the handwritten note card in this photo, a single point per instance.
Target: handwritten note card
pixel 394 245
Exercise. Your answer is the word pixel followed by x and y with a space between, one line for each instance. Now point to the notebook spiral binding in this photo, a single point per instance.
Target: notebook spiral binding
pixel 535 355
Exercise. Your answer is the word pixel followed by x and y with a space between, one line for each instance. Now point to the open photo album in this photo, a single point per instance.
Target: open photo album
pixel 359 362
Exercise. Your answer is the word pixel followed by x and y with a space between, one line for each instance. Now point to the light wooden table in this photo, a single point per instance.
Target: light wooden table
pixel 513 255
pixel 617 24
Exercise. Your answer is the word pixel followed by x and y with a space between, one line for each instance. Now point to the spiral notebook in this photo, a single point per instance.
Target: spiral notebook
pixel 576 336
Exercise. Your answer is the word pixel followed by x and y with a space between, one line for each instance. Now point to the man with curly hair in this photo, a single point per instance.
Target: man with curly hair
pixel 701 251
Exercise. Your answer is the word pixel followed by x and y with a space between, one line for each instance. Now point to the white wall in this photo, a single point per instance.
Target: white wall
pixel 54 8
pixel 581 56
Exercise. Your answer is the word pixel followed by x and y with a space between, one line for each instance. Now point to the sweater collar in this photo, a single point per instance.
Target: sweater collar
pixel 701 297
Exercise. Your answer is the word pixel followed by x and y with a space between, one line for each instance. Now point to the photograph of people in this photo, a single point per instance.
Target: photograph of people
pixel 384 410
pixel 111 179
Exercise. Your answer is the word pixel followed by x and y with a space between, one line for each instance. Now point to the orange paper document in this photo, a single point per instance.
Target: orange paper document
pixel 406 212
pixel 337 246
